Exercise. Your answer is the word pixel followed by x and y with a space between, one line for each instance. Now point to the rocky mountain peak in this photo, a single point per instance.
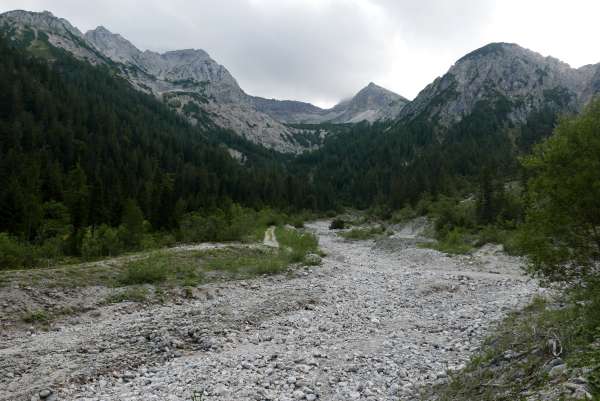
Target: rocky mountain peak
pixel 45 21
pixel 113 45
pixel 526 80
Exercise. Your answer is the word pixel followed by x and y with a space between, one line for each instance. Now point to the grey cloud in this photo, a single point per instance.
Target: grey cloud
pixel 440 22
pixel 313 50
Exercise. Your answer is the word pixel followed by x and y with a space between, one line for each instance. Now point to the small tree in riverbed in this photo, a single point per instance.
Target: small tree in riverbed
pixel 562 230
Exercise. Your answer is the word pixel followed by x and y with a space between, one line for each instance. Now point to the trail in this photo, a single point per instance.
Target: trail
pixel 372 323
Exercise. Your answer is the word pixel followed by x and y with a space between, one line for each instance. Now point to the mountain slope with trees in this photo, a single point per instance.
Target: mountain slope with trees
pixel 80 148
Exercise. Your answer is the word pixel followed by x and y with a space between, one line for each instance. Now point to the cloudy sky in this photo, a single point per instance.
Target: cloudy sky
pixel 325 50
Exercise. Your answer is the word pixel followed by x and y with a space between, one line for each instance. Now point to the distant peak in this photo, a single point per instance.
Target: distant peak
pixel 494 48
pixel 101 28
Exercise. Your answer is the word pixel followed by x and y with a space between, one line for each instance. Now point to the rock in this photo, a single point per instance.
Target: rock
pixel 298 394
pixel 557 371
pixel 45 393
pixel 312 259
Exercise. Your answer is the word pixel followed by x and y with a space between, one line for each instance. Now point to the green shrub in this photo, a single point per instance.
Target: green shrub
pixel 13 254
pixel 451 213
pixel 364 233
pixel 296 243
pixel 103 241
pixel 454 242
pixel 403 215
pixel 337 224
pixel 146 271
pixel 36 316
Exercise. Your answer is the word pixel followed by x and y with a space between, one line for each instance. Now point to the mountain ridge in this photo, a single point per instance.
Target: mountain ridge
pixel 188 80
pixel 523 77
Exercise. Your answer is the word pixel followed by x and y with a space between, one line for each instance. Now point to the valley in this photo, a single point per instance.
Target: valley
pixel 166 234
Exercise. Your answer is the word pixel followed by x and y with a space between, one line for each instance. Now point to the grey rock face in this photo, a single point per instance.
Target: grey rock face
pixel 372 103
pixel 502 70
pixel 60 33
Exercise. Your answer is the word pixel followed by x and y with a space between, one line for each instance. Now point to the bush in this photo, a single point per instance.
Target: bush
pixel 299 244
pixel 403 215
pixel 103 241
pixel 337 224
pixel 454 242
pixel 451 214
pixel 36 316
pixel 563 218
pixel 146 271
pixel 364 233
pixel 13 254
pixel 232 224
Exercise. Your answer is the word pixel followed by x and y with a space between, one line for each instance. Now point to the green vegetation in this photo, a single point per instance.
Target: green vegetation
pixel 562 230
pixel 247 262
pixel 516 359
pixel 364 233
pixel 36 316
pixel 337 224
pixel 158 268
pixel 454 241
pixel 296 244
pixel 559 234
pixel 176 268
pixel 82 180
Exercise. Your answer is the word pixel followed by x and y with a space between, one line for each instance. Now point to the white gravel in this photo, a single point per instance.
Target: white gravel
pixel 374 322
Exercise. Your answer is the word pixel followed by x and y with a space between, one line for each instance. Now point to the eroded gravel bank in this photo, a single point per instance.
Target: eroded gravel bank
pixel 373 323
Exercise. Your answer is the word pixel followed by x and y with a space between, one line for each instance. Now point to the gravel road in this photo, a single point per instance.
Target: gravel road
pixel 374 322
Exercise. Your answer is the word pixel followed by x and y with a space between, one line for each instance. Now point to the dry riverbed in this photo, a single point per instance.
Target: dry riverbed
pixel 374 322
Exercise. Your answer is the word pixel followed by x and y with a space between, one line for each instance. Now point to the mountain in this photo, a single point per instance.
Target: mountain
pixel 373 103
pixel 195 85
pixel 471 124
pixel 523 80
pixel 78 143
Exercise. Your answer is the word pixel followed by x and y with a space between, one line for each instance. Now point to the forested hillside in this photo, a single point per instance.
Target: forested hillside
pixel 397 165
pixel 77 144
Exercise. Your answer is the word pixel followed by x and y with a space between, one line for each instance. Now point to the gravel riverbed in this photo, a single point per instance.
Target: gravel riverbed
pixel 374 322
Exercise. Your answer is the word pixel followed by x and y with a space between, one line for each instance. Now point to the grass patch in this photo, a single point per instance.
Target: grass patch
pixel 364 233
pixel 455 242
pixel 175 269
pixel 248 262
pixel 515 359
pixel 38 316
pixel 242 263
pixel 296 244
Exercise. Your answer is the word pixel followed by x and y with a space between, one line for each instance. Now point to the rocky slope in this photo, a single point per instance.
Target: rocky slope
pixel 372 103
pixel 196 85
pixel 525 80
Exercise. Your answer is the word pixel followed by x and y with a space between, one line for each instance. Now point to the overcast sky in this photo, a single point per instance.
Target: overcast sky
pixel 325 50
